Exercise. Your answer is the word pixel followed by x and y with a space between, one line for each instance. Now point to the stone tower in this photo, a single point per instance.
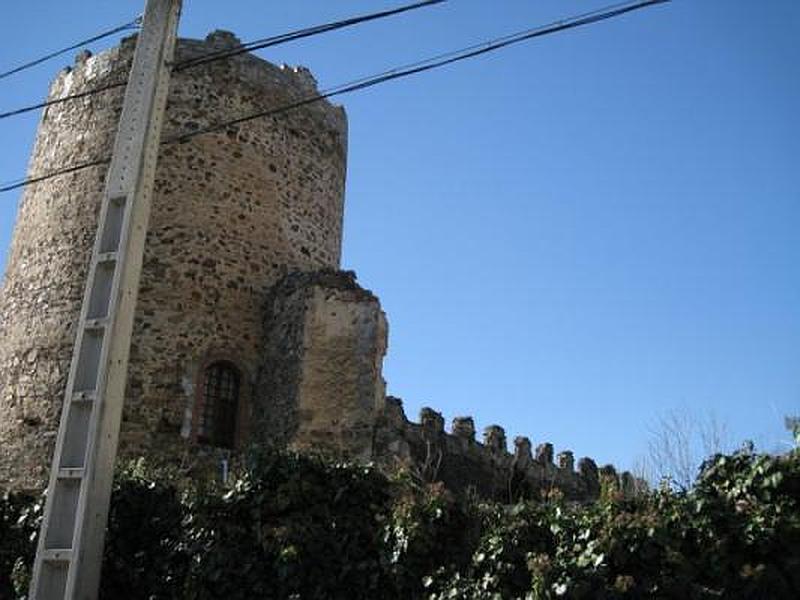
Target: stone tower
pixel 245 330
pixel 233 213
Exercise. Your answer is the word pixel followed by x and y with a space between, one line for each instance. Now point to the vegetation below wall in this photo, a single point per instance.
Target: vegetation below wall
pixel 301 527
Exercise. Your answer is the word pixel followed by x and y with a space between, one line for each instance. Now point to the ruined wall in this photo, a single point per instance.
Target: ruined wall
pixel 240 265
pixel 321 386
pixel 488 469
pixel 233 212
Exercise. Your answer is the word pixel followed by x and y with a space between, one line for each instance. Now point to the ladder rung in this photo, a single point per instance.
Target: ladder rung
pixel 70 472
pixel 96 323
pixel 106 257
pixel 85 396
pixel 57 555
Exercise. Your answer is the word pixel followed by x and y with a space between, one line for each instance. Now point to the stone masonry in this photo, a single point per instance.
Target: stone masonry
pixel 233 212
pixel 325 339
pixel 488 469
pixel 240 284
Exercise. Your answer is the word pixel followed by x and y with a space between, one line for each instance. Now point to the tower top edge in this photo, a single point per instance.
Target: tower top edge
pixel 88 66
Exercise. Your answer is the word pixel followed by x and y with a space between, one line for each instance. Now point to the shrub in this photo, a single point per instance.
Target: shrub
pixel 20 518
pixel 292 526
pixel 145 554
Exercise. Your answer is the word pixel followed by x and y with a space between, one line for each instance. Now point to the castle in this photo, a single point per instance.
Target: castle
pixel 246 331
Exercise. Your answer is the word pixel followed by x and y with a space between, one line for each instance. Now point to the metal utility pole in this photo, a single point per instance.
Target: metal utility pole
pixel 70 551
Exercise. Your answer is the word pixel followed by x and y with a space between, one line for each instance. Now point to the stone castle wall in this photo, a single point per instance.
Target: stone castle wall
pixel 487 469
pixel 240 266
pixel 321 385
pixel 233 212
pixel 320 388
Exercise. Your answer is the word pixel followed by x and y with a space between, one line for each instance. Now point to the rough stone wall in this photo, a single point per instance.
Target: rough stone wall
pixel 233 212
pixel 465 465
pixel 321 386
pixel 240 265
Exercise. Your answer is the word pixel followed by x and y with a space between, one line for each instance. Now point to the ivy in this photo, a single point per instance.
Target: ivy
pixel 290 526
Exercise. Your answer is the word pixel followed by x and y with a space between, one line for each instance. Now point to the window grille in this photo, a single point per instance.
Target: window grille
pixel 220 406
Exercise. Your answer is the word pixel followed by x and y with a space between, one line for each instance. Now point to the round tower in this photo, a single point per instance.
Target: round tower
pixel 233 212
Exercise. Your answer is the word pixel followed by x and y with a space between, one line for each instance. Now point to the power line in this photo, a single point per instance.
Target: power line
pixel 299 34
pixel 66 170
pixel 437 62
pixel 63 99
pixel 428 64
pixel 130 25
pixel 240 49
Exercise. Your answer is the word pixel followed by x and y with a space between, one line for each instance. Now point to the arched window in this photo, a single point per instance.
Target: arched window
pixel 219 408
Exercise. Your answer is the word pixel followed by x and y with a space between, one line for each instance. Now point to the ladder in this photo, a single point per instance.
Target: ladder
pixel 70 548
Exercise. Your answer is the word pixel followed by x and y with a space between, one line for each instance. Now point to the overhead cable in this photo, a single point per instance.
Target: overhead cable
pixel 437 62
pixel 131 25
pixel 230 52
pixel 395 73
pixel 299 34
pixel 66 170
pixel 68 98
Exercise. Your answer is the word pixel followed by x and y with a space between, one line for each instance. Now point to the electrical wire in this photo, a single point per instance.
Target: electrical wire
pixel 428 64
pixel 436 62
pixel 299 34
pixel 63 99
pixel 66 170
pixel 240 49
pixel 130 25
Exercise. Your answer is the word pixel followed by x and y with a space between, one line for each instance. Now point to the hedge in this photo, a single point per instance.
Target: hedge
pixel 301 527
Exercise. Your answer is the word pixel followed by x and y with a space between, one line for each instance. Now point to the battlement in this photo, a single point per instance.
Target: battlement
pixel 462 463
pixel 232 213
pixel 239 277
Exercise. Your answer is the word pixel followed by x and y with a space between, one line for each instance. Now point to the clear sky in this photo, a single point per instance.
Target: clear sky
pixel 570 236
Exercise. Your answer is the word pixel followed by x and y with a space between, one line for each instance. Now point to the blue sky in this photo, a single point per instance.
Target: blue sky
pixel 570 236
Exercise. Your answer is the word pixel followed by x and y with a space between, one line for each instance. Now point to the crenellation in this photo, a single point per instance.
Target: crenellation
pixel 240 283
pixel 463 428
pixel 81 57
pixel 487 467
pixel 544 454
pixel 609 475
pixel 587 469
pixel 566 461
pixel 219 39
pixel 523 456
pixel 233 213
pixel 431 421
pixel 494 438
